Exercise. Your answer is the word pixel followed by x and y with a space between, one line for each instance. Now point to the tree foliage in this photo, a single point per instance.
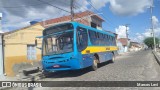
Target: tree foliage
pixel 150 41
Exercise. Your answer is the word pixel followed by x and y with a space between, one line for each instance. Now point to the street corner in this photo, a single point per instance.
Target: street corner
pixel 157 55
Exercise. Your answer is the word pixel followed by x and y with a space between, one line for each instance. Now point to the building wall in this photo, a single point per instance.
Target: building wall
pixel 97 22
pixel 15 48
pixel 125 48
pixel 120 47
pixel 1 56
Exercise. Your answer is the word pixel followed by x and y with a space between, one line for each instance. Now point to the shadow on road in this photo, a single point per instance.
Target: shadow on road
pixel 72 73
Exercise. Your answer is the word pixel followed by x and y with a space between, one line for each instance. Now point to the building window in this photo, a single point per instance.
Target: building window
pixel 31 52
pixel 93 25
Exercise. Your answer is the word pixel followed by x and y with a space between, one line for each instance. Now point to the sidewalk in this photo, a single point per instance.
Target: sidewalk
pixel 157 55
pixel 5 78
pixel 158 52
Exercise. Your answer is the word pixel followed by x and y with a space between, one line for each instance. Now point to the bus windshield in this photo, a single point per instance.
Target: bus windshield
pixel 58 43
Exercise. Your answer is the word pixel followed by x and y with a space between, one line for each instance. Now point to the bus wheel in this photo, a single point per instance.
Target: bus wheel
pixel 95 64
pixel 113 58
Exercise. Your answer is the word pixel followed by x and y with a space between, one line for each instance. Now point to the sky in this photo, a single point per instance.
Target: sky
pixel 116 13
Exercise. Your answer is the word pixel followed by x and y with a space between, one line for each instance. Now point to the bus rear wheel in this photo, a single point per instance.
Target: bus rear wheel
pixel 95 64
pixel 113 58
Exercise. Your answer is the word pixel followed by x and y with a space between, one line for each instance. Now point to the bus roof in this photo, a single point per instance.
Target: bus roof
pixel 93 29
pixel 85 26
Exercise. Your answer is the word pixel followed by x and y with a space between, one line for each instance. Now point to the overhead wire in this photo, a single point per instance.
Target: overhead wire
pixel 107 19
pixel 61 9
pixel 75 7
pixel 75 13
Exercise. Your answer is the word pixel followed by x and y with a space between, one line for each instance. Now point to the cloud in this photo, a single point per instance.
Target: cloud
pixel 19 13
pixel 139 37
pixel 155 21
pixel 121 31
pixel 0 14
pixel 129 7
pixel 123 7
pixel 99 3
pixel 22 7
pixel 157 32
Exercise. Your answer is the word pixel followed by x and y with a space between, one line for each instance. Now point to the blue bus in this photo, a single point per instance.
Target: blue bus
pixel 72 45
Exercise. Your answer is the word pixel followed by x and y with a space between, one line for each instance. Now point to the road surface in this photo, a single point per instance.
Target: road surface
pixel 133 66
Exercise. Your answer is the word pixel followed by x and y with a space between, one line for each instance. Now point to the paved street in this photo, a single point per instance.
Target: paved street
pixel 130 67
pixel 134 66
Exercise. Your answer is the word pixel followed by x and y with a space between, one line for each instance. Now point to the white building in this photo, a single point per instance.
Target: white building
pixel 135 46
pixel 120 47
pixel 125 43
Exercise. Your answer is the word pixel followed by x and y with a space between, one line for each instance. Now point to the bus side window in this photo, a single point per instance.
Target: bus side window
pixel 107 40
pixel 111 40
pixel 92 36
pixel 114 40
pixel 97 38
pixel 102 39
pixel 82 38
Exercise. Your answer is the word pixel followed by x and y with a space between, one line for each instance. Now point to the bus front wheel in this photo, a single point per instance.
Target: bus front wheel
pixel 95 64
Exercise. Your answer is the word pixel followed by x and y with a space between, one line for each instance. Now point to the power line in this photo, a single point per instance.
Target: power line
pixel 72 11
pixel 22 6
pixel 96 10
pixel 79 6
pixel 54 6
pixel 126 25
pixel 60 9
pixel 151 7
pixel 43 2
pixel 83 8
pixel 102 14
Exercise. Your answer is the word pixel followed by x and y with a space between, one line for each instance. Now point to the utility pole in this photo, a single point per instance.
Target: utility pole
pixel 153 25
pixel 72 11
pixel 44 22
pixel 126 25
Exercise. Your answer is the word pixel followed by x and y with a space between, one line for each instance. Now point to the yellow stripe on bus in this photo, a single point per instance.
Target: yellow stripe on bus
pixel 96 49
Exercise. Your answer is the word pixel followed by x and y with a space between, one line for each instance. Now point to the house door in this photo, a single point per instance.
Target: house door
pixel 31 52
pixel 1 57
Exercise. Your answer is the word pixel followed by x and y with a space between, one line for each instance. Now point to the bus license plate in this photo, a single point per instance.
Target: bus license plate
pixel 56 66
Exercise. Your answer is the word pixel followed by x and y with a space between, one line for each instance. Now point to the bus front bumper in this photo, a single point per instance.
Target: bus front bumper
pixel 60 65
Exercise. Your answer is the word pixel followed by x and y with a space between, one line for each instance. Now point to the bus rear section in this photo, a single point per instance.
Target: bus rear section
pixel 95 46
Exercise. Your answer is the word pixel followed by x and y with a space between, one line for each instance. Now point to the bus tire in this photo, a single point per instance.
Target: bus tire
pixel 113 58
pixel 95 64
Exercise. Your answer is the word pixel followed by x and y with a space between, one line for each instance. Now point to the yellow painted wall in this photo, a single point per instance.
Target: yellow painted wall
pixel 15 49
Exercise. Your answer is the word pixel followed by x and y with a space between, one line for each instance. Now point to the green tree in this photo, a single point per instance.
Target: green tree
pixel 150 42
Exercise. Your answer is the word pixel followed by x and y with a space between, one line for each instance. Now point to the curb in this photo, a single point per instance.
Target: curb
pixel 156 57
